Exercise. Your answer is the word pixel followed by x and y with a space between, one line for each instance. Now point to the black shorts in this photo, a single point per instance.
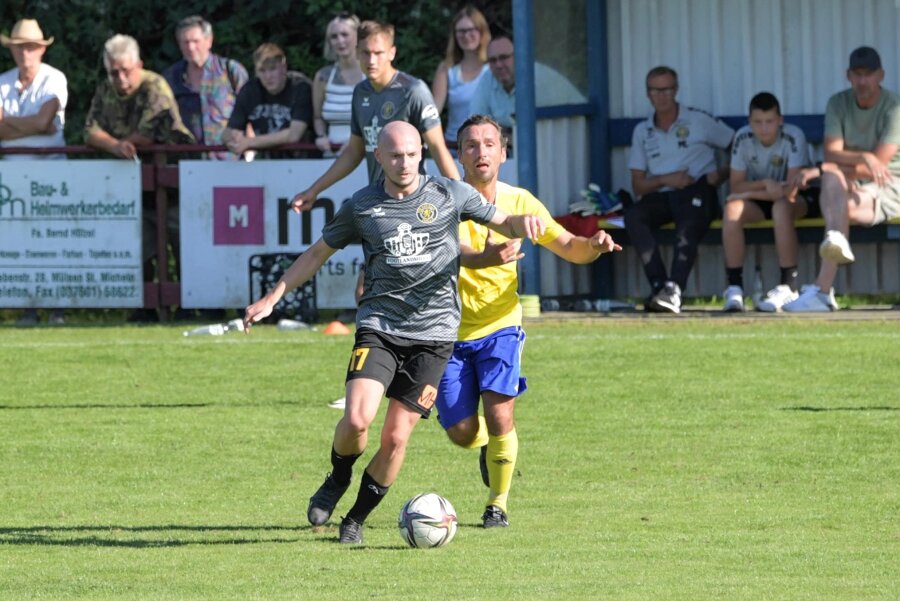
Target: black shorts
pixel 410 370
pixel 810 196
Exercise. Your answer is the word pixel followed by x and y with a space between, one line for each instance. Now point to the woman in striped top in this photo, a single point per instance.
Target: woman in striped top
pixel 333 84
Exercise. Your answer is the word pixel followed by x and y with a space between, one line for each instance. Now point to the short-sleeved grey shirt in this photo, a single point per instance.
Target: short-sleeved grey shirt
pixel 760 162
pixel 865 129
pixel 411 249
pixel 689 144
pixel 404 99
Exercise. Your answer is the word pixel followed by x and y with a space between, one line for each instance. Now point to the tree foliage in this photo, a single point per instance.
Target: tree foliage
pixel 80 27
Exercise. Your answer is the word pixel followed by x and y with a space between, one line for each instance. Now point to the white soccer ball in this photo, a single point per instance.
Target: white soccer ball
pixel 427 520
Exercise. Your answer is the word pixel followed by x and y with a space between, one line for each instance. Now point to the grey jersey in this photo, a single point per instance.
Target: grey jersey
pixel 789 151
pixel 404 99
pixel 411 249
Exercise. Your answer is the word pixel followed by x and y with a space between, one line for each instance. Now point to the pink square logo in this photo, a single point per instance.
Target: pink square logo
pixel 238 216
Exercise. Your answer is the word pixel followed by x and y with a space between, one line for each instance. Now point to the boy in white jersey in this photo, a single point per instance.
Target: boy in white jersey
pixel 486 359
pixel 769 167
pixel 408 315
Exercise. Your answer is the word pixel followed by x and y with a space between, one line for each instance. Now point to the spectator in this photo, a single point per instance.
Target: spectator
pixel 496 95
pixel 333 85
pixel 861 176
pixel 386 96
pixel 32 108
pixel 277 103
pixel 673 171
pixel 769 168
pixel 463 67
pixel 205 84
pixel 133 108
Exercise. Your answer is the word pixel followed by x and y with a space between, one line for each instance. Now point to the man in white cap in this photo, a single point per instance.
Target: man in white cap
pixel 32 106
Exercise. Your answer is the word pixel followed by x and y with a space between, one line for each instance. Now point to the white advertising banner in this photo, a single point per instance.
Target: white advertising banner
pixel 232 211
pixel 70 234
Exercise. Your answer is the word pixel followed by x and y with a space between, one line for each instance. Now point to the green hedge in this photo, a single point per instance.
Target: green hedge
pixel 80 27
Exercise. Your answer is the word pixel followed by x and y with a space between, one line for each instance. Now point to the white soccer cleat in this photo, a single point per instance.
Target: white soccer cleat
pixel 835 248
pixel 776 298
pixel 734 299
pixel 812 300
pixel 340 403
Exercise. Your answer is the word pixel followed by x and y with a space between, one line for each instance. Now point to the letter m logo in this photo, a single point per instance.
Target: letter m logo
pixel 238 216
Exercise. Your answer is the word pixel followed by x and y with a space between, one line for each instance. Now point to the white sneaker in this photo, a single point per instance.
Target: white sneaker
pixel 812 300
pixel 776 298
pixel 734 299
pixel 340 403
pixel 835 248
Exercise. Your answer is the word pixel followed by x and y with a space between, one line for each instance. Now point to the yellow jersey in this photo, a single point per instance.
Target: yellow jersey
pixel 489 296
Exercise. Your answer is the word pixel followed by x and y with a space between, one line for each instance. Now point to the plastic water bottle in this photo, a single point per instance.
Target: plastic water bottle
pixel 286 325
pixel 583 305
pixel 757 286
pixel 601 305
pixel 215 329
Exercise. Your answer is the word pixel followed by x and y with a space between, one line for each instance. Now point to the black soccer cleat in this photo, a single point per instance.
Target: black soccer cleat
pixel 351 532
pixel 482 465
pixel 322 503
pixel 494 517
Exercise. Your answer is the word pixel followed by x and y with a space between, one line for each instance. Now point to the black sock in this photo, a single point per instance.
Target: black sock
pixel 789 277
pixel 342 467
pixel 370 495
pixel 735 276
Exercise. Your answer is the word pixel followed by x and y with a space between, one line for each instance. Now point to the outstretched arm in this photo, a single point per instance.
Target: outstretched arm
pixel 578 249
pixel 353 154
pixel 300 271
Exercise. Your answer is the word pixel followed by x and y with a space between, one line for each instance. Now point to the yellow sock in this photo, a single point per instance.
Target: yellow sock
pixel 502 452
pixel 481 437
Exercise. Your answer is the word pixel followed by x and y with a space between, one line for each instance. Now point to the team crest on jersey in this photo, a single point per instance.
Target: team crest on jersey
pixel 387 110
pixel 776 161
pixel 682 133
pixel 426 212
pixel 407 246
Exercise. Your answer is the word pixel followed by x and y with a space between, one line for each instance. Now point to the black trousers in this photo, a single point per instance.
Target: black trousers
pixel 692 209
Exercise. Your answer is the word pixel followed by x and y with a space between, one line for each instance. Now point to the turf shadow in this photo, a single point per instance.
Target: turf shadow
pixel 91 536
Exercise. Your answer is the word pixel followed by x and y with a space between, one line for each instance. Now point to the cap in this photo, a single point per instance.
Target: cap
pixel 865 57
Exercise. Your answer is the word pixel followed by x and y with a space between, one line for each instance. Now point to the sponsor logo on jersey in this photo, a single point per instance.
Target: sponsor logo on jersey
pixel 370 133
pixel 365 101
pixel 377 212
pixel 407 246
pixel 387 110
pixel 426 212
pixel 430 112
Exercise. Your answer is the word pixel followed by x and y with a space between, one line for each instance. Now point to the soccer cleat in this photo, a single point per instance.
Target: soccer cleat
pixel 494 517
pixel 340 403
pixel 322 503
pixel 734 299
pixel 482 465
pixel 776 298
pixel 812 300
pixel 667 300
pixel 351 532
pixel 835 248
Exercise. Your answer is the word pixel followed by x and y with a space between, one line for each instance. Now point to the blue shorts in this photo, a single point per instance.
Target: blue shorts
pixel 490 363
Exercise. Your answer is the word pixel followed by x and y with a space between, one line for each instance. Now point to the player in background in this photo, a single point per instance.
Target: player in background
pixel 487 358
pixel 386 95
pixel 408 314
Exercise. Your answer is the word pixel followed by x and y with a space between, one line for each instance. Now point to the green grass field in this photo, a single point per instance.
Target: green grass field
pixel 685 459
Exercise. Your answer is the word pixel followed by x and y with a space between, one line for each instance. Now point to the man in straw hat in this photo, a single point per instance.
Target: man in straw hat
pixel 32 107
pixel 33 95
